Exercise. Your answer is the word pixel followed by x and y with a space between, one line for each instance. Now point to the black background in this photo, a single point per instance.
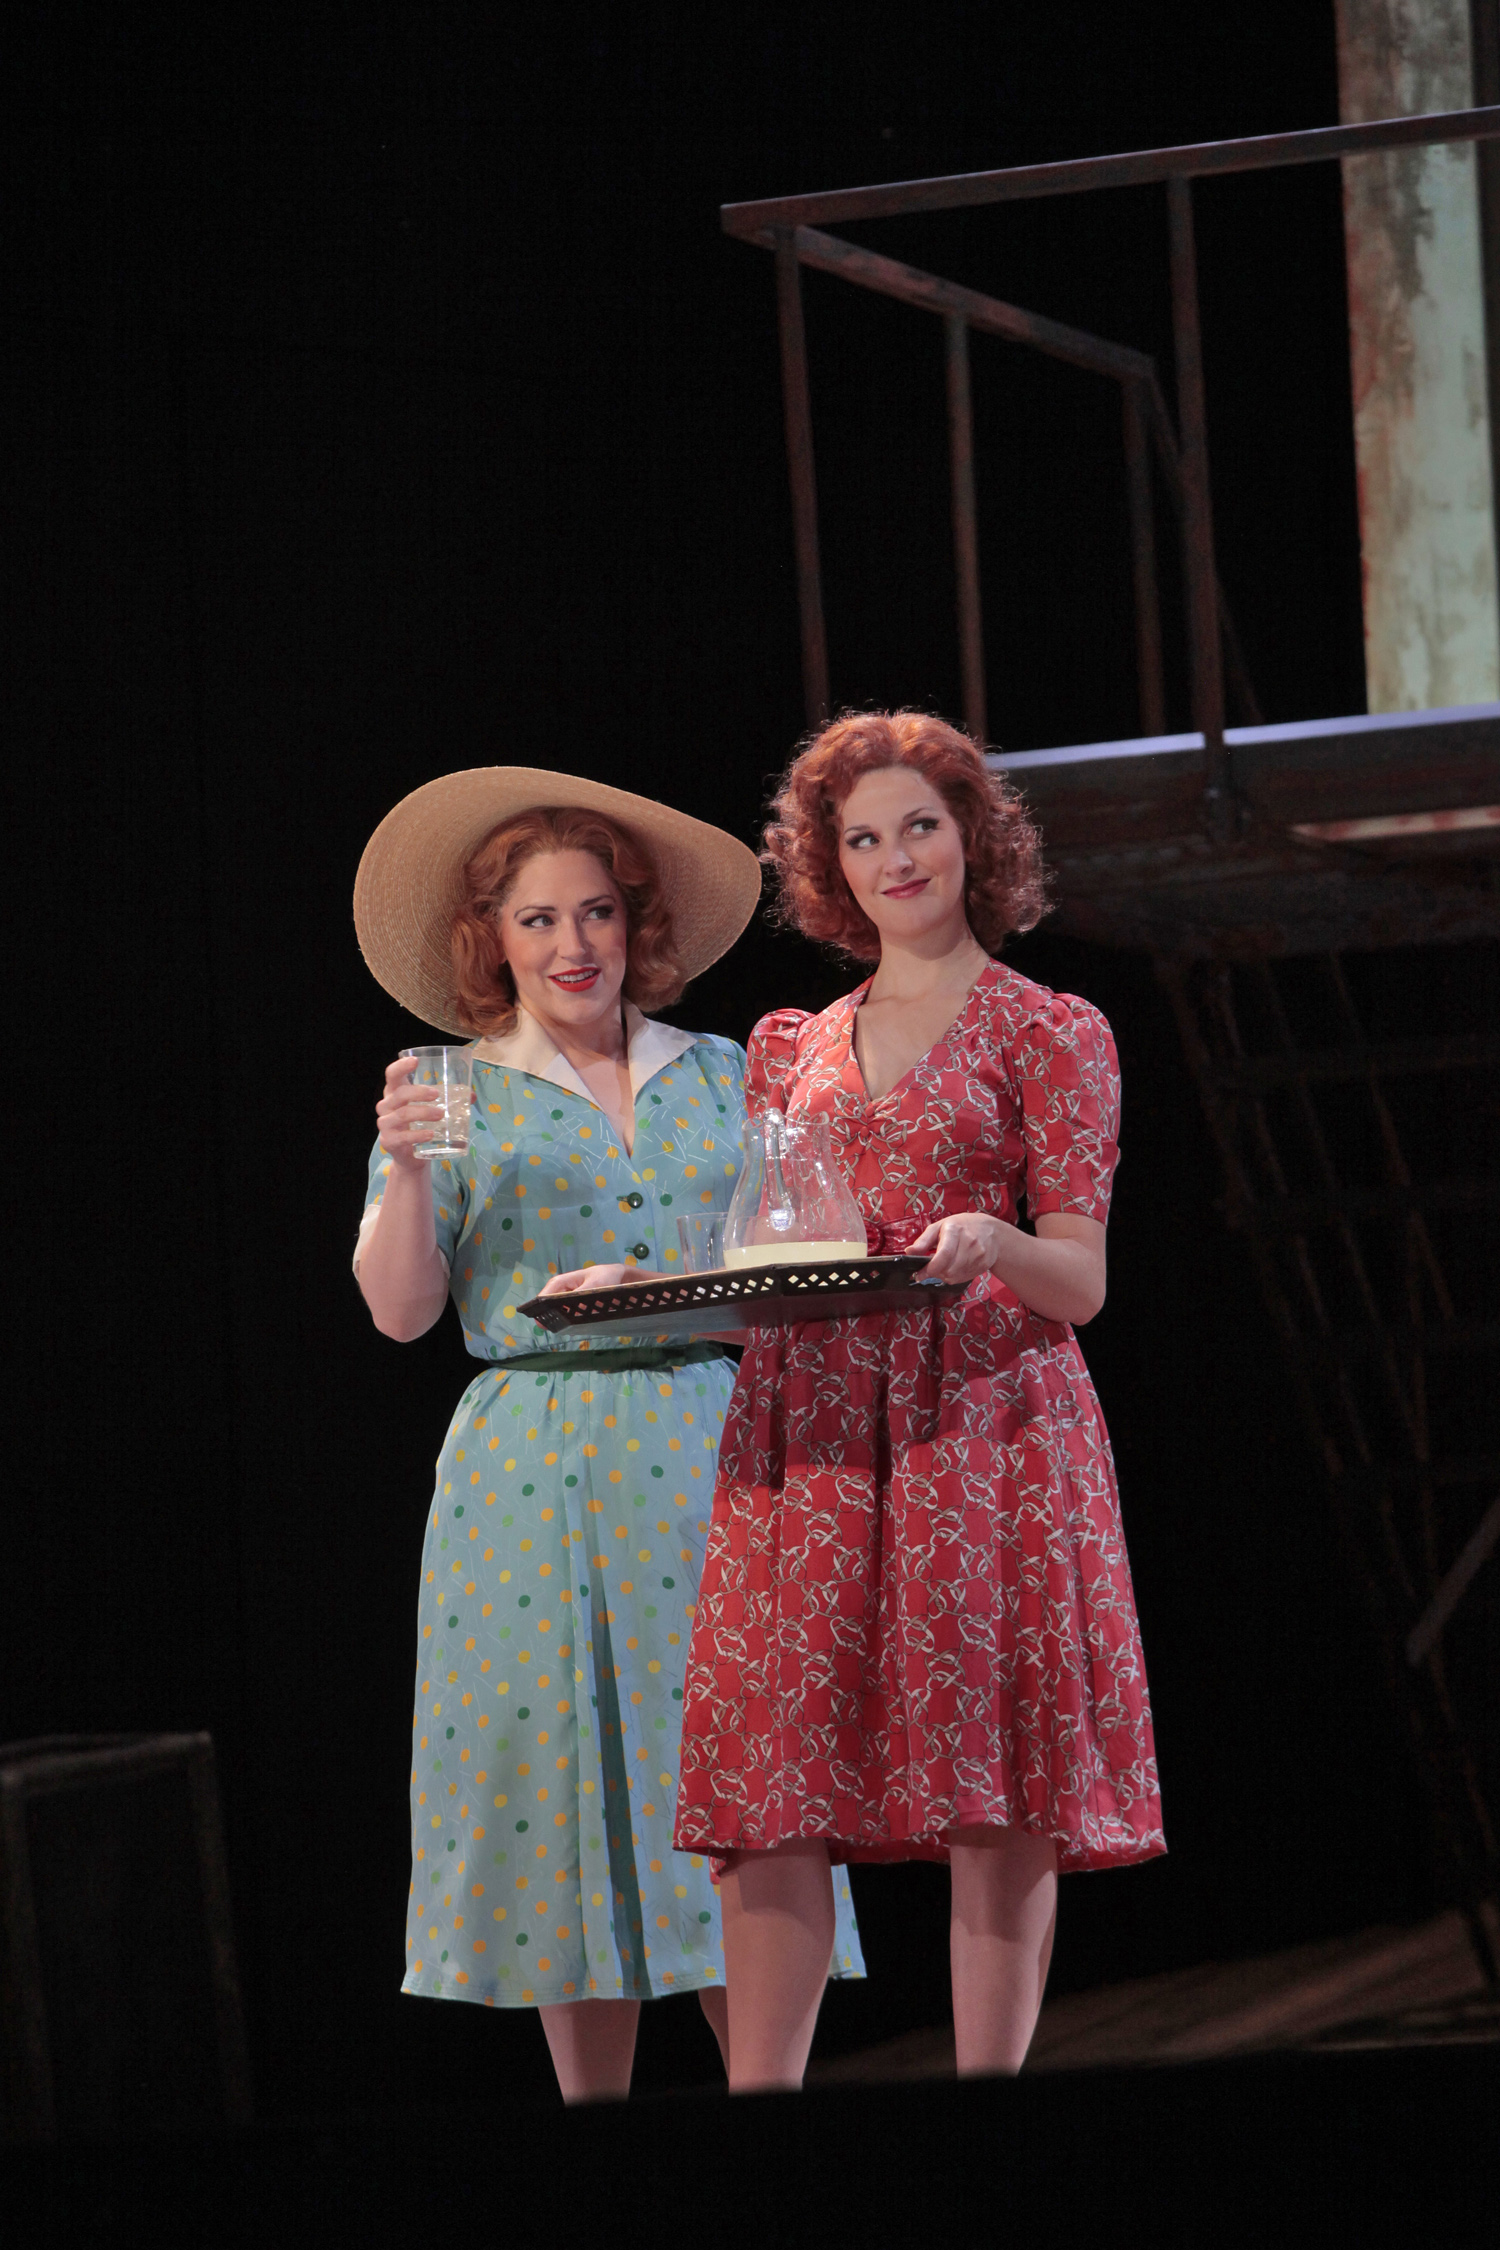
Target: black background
pixel 381 398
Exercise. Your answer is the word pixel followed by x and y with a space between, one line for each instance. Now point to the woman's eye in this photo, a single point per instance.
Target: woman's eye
pixel 858 843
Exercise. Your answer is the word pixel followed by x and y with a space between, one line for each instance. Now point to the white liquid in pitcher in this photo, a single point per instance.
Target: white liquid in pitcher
pixel 792 1253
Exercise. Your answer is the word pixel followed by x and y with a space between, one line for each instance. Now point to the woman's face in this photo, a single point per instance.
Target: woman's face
pixel 902 853
pixel 564 931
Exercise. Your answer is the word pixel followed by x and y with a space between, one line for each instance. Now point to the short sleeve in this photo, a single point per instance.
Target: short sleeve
pixel 771 1058
pixel 1068 1081
pixel 450 1196
pixel 722 1062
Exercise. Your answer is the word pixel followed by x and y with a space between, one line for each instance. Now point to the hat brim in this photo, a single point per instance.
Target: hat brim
pixel 410 880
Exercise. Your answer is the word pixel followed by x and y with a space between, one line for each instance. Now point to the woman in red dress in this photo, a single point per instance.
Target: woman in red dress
pixel 916 1636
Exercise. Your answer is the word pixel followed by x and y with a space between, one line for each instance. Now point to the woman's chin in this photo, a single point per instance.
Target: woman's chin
pixel 909 921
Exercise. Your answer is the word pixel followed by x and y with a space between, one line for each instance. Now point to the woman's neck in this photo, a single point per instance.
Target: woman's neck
pixel 601 1041
pixel 949 962
pixel 600 1053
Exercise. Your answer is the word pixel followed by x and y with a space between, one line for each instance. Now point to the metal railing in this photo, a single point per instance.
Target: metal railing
pixel 791 227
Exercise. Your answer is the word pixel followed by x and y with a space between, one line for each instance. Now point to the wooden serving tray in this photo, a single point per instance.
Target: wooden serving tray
pixel 749 1297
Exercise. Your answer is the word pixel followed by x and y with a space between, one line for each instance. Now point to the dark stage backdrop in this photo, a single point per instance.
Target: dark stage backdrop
pixel 382 397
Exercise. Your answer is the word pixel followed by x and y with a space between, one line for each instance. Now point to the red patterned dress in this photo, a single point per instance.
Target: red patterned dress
pixel 916 1611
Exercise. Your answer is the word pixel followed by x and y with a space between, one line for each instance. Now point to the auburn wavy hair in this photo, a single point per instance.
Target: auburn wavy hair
pixel 486 989
pixel 1005 882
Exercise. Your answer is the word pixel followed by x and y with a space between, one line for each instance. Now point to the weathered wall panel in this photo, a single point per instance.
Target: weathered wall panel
pixel 1417 346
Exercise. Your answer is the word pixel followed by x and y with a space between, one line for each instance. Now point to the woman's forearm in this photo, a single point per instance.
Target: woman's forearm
pixel 1057 1275
pixel 401 1273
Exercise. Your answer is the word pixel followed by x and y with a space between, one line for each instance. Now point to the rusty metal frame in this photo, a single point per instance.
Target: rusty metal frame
pixel 1362 1393
pixel 791 227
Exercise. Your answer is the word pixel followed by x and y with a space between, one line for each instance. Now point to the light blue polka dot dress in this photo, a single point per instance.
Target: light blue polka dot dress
pixel 563 1548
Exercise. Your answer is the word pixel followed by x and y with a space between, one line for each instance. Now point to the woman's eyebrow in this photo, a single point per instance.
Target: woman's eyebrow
pixel 545 906
pixel 918 812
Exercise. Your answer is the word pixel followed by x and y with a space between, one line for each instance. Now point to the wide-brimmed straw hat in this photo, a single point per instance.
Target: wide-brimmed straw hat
pixel 410 882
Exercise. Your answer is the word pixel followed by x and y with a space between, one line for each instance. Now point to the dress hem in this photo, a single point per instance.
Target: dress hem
pixel 1073 1856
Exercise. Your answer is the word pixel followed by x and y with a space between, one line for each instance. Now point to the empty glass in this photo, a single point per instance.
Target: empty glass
pixel 702 1241
pixel 446 1074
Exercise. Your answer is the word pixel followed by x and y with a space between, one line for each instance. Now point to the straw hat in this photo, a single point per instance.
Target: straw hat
pixel 410 880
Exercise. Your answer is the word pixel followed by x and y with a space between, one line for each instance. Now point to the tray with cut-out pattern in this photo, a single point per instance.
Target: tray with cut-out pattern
pixel 697 1304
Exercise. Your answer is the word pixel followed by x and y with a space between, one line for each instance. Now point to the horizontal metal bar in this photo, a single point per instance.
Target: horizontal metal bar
pixel 68 1769
pixel 1444 1339
pixel 1296 1214
pixel 1425 1634
pixel 1392 1058
pixel 1022 183
pixel 1402 1473
pixel 828 253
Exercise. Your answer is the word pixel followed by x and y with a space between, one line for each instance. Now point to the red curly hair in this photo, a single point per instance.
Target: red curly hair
pixel 1005 883
pixel 486 989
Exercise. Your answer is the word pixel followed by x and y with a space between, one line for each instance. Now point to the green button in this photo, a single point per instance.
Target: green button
pixel 640 1250
pixel 635 1199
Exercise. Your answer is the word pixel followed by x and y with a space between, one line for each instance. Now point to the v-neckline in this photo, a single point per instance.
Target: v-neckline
pixel 857 998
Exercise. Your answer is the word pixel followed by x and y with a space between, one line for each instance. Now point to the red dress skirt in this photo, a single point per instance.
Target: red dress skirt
pixel 916 1611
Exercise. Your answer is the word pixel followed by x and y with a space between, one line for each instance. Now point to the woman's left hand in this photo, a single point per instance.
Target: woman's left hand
pixel 598 1277
pixel 964 1244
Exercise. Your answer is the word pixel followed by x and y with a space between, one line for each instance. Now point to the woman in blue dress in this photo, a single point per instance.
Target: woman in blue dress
pixel 566 1533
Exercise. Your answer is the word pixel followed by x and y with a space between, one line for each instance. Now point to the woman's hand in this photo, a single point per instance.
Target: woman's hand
pixel 599 1277
pixel 407 1115
pixel 1059 1271
pixel 964 1244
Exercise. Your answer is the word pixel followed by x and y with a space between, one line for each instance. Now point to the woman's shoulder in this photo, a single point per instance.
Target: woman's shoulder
pixel 795 1027
pixel 1022 1014
pixel 717 1057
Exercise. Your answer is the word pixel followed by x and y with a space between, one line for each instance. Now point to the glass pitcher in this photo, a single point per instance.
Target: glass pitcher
pixel 791 1201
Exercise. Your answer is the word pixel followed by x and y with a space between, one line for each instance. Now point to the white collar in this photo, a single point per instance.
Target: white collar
pixel 649 1048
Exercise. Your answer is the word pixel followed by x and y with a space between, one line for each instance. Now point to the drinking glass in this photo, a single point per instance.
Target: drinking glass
pixel 702 1241
pixel 446 1075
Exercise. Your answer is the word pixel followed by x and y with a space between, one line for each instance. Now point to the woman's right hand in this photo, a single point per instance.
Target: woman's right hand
pixel 406 1115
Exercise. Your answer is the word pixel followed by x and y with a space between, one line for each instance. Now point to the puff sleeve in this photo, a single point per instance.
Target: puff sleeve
pixel 1068 1081
pixel 771 1059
